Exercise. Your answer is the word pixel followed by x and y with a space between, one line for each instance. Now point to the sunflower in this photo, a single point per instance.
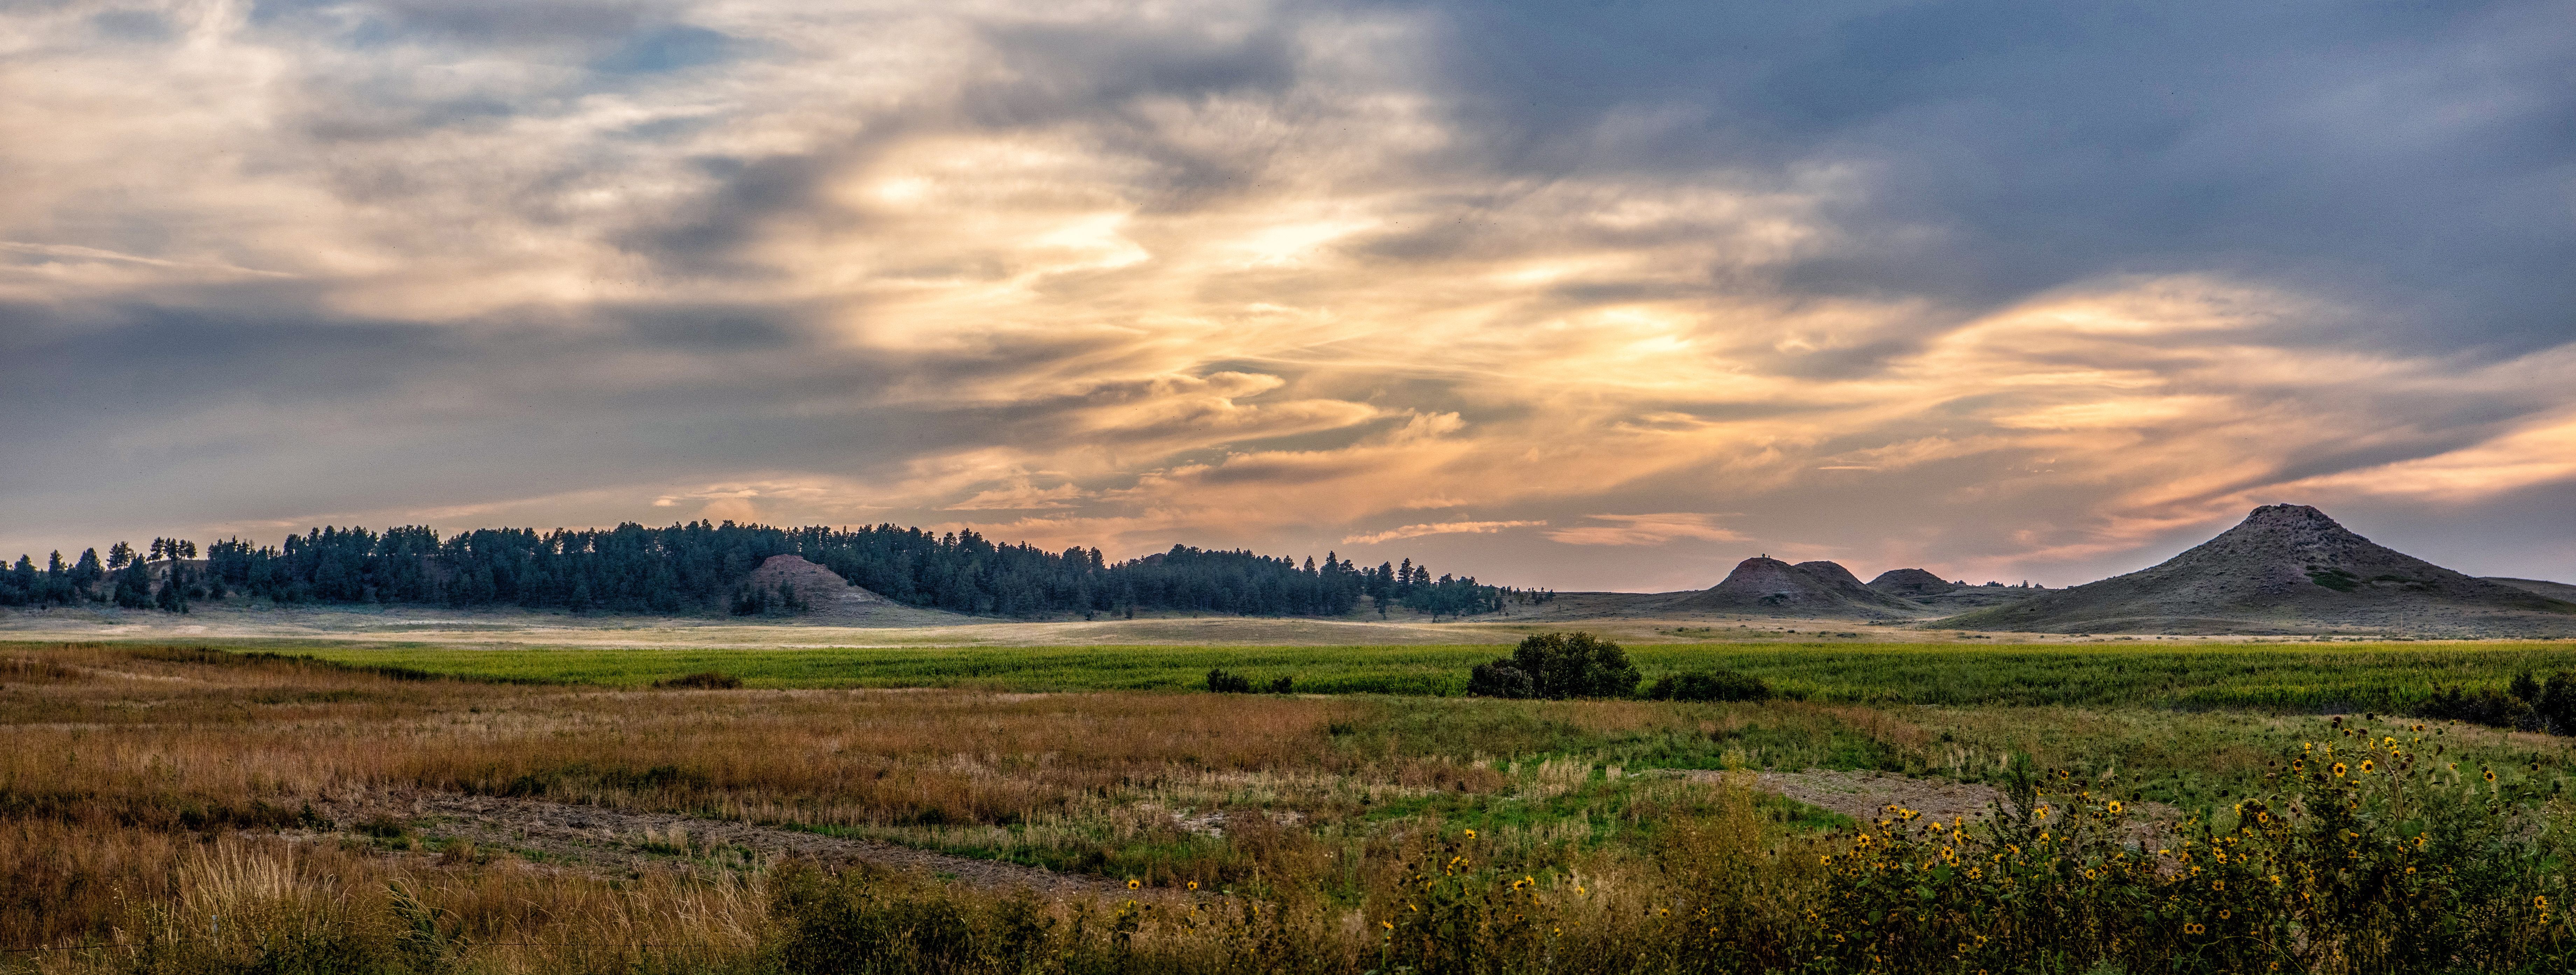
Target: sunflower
pixel 2115 807
pixel 2338 770
pixel 2365 766
pixel 1133 883
pixel 1471 834
pixel 2490 774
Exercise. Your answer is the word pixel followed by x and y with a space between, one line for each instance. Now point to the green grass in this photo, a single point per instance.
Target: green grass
pixel 2309 677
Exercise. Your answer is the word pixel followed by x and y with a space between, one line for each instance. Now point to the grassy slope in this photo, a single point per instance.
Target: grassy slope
pixel 2289 677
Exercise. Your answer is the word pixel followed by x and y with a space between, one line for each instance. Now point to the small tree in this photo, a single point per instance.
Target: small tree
pixel 1559 665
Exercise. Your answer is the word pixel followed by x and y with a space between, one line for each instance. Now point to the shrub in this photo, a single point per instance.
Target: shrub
pixel 1500 679
pixel 1709 685
pixel 708 680
pixel 2527 703
pixel 1282 684
pixel 1557 666
pixel 1221 682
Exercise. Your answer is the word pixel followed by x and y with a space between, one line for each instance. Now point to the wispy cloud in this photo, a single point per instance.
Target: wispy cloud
pixel 1265 274
pixel 1654 529
pixel 1437 528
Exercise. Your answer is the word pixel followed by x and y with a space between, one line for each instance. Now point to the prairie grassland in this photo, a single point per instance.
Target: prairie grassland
pixel 159 800
pixel 2288 676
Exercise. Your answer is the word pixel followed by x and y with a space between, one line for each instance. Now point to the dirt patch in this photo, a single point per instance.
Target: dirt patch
pixel 607 840
pixel 1865 796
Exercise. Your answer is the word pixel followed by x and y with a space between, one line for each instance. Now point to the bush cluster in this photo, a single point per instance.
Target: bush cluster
pixel 2526 704
pixel 1709 685
pixel 1557 666
pixel 1220 682
pixel 705 680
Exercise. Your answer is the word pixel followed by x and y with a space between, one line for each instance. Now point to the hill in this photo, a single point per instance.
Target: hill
pixel 2286 569
pixel 1911 582
pixel 1818 589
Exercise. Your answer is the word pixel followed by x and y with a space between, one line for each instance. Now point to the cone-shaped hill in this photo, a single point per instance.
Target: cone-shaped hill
pixel 1911 582
pixel 1768 585
pixel 2287 569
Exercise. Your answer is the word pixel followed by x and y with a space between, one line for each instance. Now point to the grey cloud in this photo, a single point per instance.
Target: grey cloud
pixel 2404 166
pixel 2404 157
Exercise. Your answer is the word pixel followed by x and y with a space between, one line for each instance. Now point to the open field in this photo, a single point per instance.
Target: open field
pixel 2296 676
pixel 147 790
pixel 1629 618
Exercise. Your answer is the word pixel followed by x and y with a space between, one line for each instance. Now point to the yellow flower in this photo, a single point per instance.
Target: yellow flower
pixel 2338 770
pixel 2490 774
pixel 1133 883
pixel 1471 834
pixel 1389 925
pixel 1194 885
pixel 2365 766
pixel 2115 807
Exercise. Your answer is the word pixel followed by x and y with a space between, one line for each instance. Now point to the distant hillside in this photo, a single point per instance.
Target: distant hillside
pixel 1911 582
pixel 2553 590
pixel 1818 589
pixel 2286 569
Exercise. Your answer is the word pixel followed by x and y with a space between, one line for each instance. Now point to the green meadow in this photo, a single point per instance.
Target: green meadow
pixel 2285 677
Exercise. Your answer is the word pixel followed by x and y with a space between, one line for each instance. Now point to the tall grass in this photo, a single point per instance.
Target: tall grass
pixel 2303 676
pixel 158 805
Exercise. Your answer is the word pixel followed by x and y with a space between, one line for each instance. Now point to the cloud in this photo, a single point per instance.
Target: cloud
pixel 1654 529
pixel 1932 284
pixel 1021 498
pixel 1439 528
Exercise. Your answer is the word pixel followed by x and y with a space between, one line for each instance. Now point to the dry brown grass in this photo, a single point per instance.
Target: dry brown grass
pixel 120 765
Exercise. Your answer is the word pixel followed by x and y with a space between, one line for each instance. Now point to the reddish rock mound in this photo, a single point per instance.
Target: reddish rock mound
pixel 819 588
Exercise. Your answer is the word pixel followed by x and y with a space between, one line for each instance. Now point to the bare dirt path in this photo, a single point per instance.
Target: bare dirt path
pixel 617 841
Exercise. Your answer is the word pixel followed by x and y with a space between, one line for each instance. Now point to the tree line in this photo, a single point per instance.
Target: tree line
pixel 698 565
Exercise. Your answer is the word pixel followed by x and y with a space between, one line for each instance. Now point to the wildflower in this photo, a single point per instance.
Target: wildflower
pixel 1471 834
pixel 2490 774
pixel 1133 883
pixel 2218 885
pixel 2338 770
pixel 1194 885
pixel 2115 807
pixel 2223 914
pixel 1389 925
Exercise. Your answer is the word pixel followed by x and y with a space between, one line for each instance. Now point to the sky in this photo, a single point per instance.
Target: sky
pixel 1606 294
